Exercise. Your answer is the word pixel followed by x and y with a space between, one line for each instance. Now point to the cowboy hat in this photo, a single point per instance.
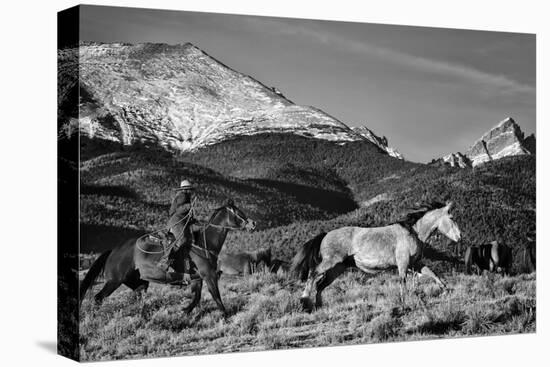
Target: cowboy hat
pixel 185 185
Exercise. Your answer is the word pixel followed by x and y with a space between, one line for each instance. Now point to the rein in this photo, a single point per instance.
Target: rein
pixel 209 224
pixel 187 217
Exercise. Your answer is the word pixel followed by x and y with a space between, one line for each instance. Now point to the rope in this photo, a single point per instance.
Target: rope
pixel 187 217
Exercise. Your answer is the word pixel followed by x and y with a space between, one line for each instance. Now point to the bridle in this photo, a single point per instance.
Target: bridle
pixel 207 251
pixel 232 210
pixel 205 226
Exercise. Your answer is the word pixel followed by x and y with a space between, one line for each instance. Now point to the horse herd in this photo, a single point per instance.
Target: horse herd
pixel 318 262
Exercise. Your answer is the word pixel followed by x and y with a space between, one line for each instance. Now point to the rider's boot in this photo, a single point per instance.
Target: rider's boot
pixel 165 261
pixel 187 268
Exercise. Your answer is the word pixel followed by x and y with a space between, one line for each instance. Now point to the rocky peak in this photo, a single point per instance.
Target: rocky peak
pixel 505 139
pixel 454 160
pixel 530 143
pixel 380 142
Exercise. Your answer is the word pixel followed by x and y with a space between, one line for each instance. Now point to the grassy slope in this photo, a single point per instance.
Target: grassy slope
pixel 265 314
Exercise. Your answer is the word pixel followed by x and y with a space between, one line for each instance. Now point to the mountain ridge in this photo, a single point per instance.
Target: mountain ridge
pixel 180 97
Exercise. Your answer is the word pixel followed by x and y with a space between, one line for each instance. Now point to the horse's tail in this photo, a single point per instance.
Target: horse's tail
pixel 308 257
pixel 95 270
pixel 468 260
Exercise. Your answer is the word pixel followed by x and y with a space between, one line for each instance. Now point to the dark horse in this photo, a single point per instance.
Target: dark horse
pixel 134 263
pixel 529 254
pixel 372 250
pixel 492 256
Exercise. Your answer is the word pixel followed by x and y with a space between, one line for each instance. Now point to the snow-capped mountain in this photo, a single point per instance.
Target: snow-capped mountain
pixel 504 140
pixel 380 142
pixel 179 97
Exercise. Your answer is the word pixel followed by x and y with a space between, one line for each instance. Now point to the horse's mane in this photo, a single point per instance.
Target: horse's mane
pixel 215 212
pixel 414 214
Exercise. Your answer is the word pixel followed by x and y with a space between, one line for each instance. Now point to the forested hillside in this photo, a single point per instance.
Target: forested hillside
pixel 295 187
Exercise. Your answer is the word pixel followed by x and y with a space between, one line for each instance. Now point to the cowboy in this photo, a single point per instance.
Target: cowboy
pixel 179 224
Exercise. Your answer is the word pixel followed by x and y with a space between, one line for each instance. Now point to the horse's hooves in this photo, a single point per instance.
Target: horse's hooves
pixel 307 304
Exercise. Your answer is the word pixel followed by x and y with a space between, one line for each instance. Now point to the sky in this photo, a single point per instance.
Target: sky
pixel 430 91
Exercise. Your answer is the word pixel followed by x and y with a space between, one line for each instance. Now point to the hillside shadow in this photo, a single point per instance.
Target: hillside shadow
pixel 100 238
pixel 330 201
pixel 108 190
pixel 91 148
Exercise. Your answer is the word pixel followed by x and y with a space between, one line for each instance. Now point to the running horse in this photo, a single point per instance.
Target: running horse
pixel 372 250
pixel 134 263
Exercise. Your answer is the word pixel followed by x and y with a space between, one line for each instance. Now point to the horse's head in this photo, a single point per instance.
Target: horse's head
pixel 445 223
pixel 236 218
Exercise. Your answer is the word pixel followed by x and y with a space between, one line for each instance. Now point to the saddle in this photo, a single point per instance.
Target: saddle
pixel 163 238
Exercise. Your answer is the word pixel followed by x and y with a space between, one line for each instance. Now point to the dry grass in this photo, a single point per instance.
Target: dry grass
pixel 266 314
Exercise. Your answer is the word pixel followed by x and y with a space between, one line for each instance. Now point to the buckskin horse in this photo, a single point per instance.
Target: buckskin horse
pixel 492 256
pixel 244 263
pixel 372 249
pixel 133 263
pixel 279 267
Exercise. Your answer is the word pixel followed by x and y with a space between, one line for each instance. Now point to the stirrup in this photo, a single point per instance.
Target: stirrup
pixel 181 282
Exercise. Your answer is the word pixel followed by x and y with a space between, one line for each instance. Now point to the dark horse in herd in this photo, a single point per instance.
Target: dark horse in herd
pixel 493 257
pixel 318 262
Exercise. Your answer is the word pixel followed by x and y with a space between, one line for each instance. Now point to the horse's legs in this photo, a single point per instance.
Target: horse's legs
pixel 196 288
pixel 212 283
pixel 106 291
pixel 135 283
pixel 402 269
pixel 305 299
pixel 494 262
pixel 425 271
pixel 316 276
pixel 247 268
pixel 402 260
pixel 328 277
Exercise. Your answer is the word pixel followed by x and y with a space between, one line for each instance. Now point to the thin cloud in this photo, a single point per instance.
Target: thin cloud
pixel 502 83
